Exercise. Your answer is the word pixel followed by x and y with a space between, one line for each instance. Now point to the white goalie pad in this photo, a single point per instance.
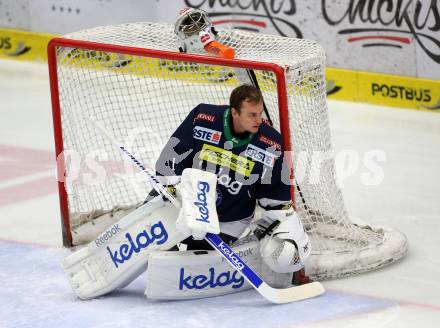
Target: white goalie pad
pixel 119 254
pixel 196 274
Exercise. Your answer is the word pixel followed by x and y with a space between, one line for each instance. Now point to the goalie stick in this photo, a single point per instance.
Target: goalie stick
pixel 274 295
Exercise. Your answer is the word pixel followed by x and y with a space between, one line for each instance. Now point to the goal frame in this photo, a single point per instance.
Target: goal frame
pixel 277 70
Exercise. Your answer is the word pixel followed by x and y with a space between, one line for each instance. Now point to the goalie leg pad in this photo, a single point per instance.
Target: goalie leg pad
pixel 196 274
pixel 120 254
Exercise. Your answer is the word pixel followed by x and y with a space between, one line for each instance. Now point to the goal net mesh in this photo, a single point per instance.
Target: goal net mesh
pixel 142 99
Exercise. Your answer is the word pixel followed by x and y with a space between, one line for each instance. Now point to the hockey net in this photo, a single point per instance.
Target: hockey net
pixel 132 80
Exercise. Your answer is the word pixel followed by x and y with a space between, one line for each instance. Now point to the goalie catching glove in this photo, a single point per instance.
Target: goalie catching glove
pixel 198 214
pixel 284 244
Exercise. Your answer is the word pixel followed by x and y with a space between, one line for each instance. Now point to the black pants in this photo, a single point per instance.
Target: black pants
pixel 193 245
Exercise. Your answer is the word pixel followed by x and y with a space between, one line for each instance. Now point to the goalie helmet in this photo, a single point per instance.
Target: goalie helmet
pixel 194 30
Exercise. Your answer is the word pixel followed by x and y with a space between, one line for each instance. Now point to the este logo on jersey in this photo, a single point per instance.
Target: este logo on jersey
pixel 206 134
pixel 260 155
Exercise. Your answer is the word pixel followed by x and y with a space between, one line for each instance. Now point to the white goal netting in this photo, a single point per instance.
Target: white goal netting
pixel 141 96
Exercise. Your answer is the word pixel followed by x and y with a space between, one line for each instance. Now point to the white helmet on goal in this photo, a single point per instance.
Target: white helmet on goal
pixel 194 29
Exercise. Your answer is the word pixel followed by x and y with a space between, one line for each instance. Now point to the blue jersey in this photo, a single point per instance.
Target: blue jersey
pixel 248 170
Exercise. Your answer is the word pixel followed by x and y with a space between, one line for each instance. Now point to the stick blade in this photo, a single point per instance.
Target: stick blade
pixel 292 294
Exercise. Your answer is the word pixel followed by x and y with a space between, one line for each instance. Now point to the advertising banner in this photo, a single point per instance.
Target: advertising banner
pixel 378 51
pixel 383 89
pixel 396 36
pixel 21 45
pixel 399 37
pixel 399 91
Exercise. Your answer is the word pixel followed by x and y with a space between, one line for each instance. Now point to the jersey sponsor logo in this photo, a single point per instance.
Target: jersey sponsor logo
pixel 260 155
pixel 205 117
pixel 232 186
pixel 105 236
pixel 226 158
pixel 201 201
pixel 270 142
pixel 156 234
pixel 211 280
pixel 206 134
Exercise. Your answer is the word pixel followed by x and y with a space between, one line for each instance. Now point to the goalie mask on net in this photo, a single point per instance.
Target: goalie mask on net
pixel 188 27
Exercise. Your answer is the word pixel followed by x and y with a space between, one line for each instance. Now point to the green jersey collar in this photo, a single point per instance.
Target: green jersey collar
pixel 236 142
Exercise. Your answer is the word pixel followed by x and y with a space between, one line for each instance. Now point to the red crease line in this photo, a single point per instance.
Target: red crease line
pixel 385 298
pixel 28 190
